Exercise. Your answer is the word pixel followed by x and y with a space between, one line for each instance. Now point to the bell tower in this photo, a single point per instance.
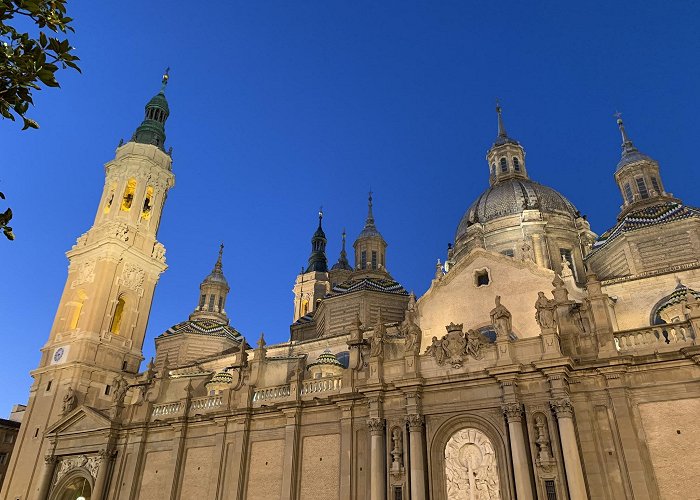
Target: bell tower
pixel 99 328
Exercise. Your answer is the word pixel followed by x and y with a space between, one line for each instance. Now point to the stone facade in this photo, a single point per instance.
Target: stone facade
pixel 516 375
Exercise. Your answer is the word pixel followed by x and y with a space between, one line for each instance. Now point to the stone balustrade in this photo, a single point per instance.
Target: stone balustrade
pixel 325 384
pixel 166 409
pixel 653 338
pixel 271 393
pixel 206 403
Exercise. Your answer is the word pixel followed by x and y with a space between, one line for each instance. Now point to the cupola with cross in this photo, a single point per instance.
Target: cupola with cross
pixel 213 292
pixel 313 282
pixel 370 246
pixel 637 176
pixel 506 157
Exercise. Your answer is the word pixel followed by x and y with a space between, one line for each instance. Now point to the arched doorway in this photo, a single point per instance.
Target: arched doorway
pixel 471 467
pixel 75 488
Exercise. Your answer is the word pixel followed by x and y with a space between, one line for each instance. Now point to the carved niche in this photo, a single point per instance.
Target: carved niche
pixel 471 469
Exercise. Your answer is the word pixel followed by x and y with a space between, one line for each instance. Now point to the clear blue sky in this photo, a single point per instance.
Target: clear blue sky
pixel 278 107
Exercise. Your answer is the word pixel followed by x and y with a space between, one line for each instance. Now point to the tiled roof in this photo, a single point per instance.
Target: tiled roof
pixel 205 327
pixel 653 215
pixel 326 358
pixel 372 284
pixel 677 297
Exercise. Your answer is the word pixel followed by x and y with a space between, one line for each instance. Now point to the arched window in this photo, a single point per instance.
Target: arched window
pixel 304 308
pixel 516 164
pixel 504 165
pixel 642 187
pixel 78 487
pixel 147 204
pixel 128 197
pixel 110 198
pixel 628 193
pixel 76 310
pixel 118 315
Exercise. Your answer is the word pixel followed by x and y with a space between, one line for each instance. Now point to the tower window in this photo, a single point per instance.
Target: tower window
pixel 655 183
pixel 128 197
pixel 628 193
pixel 363 259
pixel 108 390
pixel 221 304
pixel 374 259
pixel 304 308
pixel 508 252
pixel 211 303
pixel 147 204
pixel 642 187
pixel 493 169
pixel 516 164
pixel 48 385
pixel 202 301
pixel 504 165
pixel 117 318
pixel 110 198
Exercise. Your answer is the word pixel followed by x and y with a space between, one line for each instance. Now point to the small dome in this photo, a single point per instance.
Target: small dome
pixel 159 101
pixel 216 276
pixel 327 358
pixel 512 196
pixel 222 377
pixel 678 296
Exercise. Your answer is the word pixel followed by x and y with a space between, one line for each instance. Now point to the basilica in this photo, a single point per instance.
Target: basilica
pixel 544 361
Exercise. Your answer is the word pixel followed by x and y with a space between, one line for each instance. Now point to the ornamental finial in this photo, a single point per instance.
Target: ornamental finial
pixel 501 127
pixel 625 139
pixel 166 77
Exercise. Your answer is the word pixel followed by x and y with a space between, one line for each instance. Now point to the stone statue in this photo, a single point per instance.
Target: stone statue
pixel 501 319
pixel 545 311
pixel 68 402
pixel 437 350
pixel 566 271
pixel 120 388
pixel 544 455
pixel 377 343
pixel 397 450
pixel 526 251
pixel 439 272
pixel 475 341
pixel 412 332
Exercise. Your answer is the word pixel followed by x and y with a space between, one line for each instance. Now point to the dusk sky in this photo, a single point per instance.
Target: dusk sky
pixel 278 107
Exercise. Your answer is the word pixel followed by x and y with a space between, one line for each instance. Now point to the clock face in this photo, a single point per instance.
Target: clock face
pixel 58 354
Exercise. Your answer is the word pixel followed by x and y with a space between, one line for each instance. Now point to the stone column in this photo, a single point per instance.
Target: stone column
pixel 377 459
pixel 537 247
pixel 417 458
pixel 569 447
pixel 523 484
pixel 46 476
pixel 98 491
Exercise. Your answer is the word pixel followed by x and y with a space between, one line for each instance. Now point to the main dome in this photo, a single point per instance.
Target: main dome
pixel 511 197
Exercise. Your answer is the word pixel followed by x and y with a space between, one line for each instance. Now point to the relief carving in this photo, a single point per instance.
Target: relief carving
pixel 86 273
pixel 471 469
pixel 133 276
pixel 91 464
pixel 453 347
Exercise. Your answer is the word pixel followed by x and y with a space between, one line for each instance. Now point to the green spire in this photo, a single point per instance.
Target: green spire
pixel 317 260
pixel 152 128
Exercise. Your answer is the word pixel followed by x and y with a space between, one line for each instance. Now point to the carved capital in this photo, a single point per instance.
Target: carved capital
pixel 376 425
pixel 512 411
pixel 50 459
pixel 562 407
pixel 107 454
pixel 415 422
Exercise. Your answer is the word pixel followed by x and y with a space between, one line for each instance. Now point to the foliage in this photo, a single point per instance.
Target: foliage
pixel 5 219
pixel 29 60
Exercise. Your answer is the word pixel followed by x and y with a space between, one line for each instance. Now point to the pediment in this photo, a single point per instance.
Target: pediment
pixel 82 419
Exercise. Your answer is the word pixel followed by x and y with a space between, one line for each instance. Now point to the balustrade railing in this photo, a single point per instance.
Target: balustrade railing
pixel 271 393
pixel 206 403
pixel 652 338
pixel 318 385
pixel 166 409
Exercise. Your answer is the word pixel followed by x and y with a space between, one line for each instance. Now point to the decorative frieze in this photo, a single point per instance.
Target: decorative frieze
pixel 67 464
pixel 86 273
pixel 132 276
pixel 456 345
